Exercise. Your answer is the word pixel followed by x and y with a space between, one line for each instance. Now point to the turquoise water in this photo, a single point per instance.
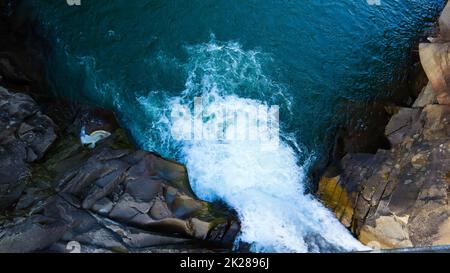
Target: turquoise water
pixel 310 58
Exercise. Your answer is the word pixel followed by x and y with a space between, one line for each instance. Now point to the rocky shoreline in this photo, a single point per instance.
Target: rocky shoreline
pixel 58 195
pixel 399 197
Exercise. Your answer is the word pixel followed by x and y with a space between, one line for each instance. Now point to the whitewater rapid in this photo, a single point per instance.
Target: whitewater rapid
pixel 266 186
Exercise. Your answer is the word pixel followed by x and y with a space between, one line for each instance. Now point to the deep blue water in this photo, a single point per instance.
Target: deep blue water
pixel 310 58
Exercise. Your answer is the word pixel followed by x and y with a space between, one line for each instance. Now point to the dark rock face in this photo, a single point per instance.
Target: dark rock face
pixel 112 198
pixel 57 195
pixel 25 135
pixel 400 197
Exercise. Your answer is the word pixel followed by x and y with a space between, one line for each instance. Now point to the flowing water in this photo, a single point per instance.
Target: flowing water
pixel 145 58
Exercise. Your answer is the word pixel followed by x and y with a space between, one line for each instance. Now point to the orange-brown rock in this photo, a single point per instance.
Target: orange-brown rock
pixel 435 59
pixel 399 197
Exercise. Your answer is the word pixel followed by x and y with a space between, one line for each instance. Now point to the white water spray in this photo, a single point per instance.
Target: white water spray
pixel 265 186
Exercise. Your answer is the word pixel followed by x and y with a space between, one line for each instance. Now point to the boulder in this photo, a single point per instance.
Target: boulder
pixel 435 59
pixel 444 24
pixel 138 189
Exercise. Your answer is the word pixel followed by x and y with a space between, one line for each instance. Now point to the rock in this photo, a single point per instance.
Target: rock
pixel 200 229
pixel 102 238
pixel 37 231
pixel 435 61
pixel 111 198
pixel 332 193
pixel 443 237
pixel 25 136
pixel 419 160
pixel 184 206
pixel 401 125
pixel 427 96
pixel 135 189
pixel 138 239
pixel 144 189
pixel 160 210
pixel 399 197
pixel 444 24
pixel 103 206
pixel 436 119
pixel 126 209
pixel 388 232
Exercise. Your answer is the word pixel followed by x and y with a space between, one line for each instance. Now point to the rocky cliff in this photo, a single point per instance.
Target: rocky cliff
pixel 399 197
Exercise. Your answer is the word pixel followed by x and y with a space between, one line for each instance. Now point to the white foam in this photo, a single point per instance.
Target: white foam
pixel 265 186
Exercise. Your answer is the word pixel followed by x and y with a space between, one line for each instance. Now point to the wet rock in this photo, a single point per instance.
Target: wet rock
pixel 335 196
pixel 183 206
